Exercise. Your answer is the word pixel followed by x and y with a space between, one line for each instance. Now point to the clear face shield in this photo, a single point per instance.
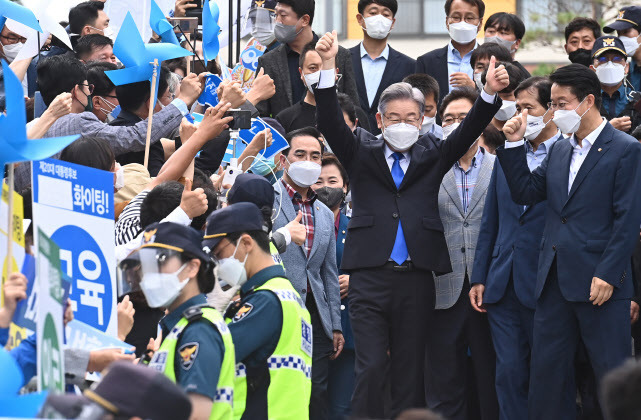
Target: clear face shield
pixel 262 22
pixel 155 272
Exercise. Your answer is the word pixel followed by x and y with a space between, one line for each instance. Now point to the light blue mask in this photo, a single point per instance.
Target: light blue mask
pixel 262 166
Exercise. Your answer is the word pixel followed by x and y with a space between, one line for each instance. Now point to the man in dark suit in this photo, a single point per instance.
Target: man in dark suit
pixel 377 65
pixel 584 284
pixel 450 65
pixel 294 30
pixel 395 237
pixel 507 255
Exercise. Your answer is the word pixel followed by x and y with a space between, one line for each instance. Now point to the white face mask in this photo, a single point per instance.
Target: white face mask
pixel 631 44
pixel 428 122
pixel 463 32
pixel 230 272
pixel 477 80
pixel 507 111
pixel 11 51
pixel 568 121
pixel 610 74
pixel 120 177
pixel 265 37
pixel 109 33
pixel 498 40
pixel 448 129
pixel 378 26
pixel 107 112
pixel 304 173
pixel 161 289
pixel 401 136
pixel 312 79
pixel 534 126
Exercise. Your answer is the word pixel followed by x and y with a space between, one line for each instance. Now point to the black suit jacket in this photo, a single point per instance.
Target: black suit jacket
pixel 434 63
pixel 275 65
pixel 156 151
pixel 378 204
pixel 398 66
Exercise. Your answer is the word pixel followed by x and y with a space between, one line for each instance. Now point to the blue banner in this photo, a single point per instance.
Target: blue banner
pixel 83 336
pixel 73 205
pixel 209 95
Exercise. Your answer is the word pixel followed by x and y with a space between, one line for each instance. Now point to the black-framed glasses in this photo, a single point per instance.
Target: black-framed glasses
pixel 472 20
pixel 14 39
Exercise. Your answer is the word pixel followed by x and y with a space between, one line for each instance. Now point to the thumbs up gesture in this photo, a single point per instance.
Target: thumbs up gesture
pixel 496 78
pixel 297 230
pixel 194 203
pixel 514 129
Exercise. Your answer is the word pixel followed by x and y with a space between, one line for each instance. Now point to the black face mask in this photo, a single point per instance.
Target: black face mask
pixel 331 197
pixel 581 56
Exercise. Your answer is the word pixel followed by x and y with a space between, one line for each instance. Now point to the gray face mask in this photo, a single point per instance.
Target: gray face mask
pixel 285 33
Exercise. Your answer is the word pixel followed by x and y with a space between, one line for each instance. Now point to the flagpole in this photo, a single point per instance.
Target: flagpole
pixel 10 182
pixel 152 103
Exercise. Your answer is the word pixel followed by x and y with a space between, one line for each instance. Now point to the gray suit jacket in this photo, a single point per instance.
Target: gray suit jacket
pixel 320 269
pixel 275 65
pixel 121 139
pixel 461 231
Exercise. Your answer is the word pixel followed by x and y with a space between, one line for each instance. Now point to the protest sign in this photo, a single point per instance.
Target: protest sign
pixel 18 234
pixel 51 370
pixel 73 204
pixel 83 336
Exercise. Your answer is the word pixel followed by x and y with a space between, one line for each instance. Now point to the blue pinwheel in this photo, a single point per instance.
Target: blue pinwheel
pixel 211 29
pixel 139 57
pixel 11 10
pixel 13 131
pixel 161 26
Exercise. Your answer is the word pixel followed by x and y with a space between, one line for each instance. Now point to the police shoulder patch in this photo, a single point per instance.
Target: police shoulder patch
pixel 243 311
pixel 188 353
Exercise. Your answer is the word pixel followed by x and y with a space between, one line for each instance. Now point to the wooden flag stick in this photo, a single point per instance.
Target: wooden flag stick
pixel 10 182
pixel 152 102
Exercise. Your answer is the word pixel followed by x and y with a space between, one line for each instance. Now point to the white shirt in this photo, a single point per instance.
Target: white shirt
pixel 579 153
pixel 405 163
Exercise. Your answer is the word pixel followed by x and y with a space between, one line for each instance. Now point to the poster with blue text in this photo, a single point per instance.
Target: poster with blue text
pixel 74 206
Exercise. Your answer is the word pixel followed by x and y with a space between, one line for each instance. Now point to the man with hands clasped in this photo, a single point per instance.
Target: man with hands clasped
pixel 590 181
pixel 395 238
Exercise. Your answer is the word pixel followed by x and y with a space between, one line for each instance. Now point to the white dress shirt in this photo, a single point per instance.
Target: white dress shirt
pixel 405 163
pixel 579 153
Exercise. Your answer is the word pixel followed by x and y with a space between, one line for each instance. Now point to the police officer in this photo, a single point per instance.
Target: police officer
pixel 252 188
pixel 609 63
pixel 197 351
pixel 270 326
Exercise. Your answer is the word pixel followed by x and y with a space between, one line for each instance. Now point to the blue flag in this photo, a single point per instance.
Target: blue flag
pixel 209 95
pixel 139 57
pixel 11 10
pixel 161 26
pixel 13 127
pixel 211 29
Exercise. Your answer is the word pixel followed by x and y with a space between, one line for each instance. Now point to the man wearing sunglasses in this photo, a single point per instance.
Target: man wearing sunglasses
pixel 609 61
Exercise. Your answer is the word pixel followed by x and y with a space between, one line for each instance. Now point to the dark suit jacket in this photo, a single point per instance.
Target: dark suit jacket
pixel 275 65
pixel 434 63
pixel 378 204
pixel 508 243
pixel 340 247
pixel 398 66
pixel 592 231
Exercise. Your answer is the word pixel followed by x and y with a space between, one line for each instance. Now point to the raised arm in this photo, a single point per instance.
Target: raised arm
pixel 481 114
pixel 329 116
pixel 527 188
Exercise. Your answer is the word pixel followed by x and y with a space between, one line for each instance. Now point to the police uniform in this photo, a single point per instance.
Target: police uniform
pixel 620 103
pixel 252 188
pixel 271 329
pixel 628 17
pixel 197 350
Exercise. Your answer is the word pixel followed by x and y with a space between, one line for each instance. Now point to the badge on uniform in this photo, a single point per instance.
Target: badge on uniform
pixel 188 353
pixel 243 311
pixel 307 339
